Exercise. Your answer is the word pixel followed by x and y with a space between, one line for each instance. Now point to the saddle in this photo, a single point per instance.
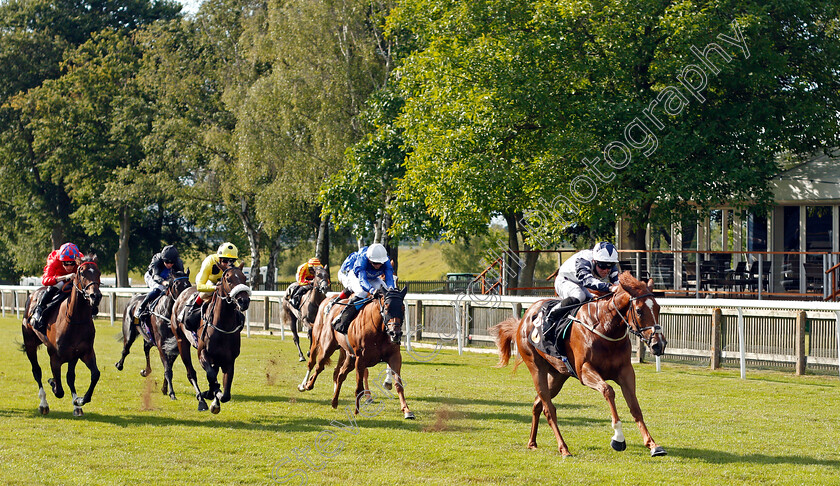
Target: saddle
pixel 549 335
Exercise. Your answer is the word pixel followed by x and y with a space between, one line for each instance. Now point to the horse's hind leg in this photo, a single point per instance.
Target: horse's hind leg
pixel 129 335
pixel 293 323
pixel 31 343
pixel 540 377
pixel 148 370
pixel 167 361
pixel 627 382
pixel 346 363
pixel 555 383
pixel 55 381
pixel 186 358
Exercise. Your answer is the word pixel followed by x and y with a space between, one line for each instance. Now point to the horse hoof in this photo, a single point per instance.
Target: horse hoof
pixel 78 412
pixel 172 397
pixel 387 385
pixel 658 451
pixel 301 359
pixel 215 409
pixel 202 406
pixel 301 388
pixel 145 373
pixel 119 366
pixel 409 416
pixel 44 410
pixel 79 401
pixel 619 446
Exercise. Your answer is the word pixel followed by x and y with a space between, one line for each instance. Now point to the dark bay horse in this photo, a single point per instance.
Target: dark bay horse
pixel 598 348
pixel 69 336
pixel 309 305
pixel 159 318
pixel 373 337
pixel 218 335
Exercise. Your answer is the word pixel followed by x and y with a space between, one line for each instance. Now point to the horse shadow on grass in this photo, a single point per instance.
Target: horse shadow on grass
pixel 720 457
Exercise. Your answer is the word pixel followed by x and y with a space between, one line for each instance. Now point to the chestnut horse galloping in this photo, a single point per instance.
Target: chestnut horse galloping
pixel 69 336
pixel 598 348
pixel 309 305
pixel 373 337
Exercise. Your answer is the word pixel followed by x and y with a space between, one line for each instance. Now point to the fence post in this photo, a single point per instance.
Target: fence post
pixel 3 302
pixel 742 343
pixel 248 322
pixel 112 307
pixel 801 359
pixel 17 307
pixel 417 319
pixel 640 350
pixel 517 310
pixel 717 339
pixel 266 312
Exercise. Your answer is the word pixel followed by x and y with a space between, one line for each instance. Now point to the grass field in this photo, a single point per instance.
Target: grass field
pixel 471 428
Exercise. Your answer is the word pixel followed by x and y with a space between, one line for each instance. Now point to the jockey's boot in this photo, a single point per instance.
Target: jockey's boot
pixel 347 315
pixel 37 319
pixel 143 309
pixel 561 309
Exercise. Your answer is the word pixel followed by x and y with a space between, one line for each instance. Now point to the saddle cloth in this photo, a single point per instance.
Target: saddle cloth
pixel 549 336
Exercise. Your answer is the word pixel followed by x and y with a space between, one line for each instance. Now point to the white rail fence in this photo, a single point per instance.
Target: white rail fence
pixel 763 333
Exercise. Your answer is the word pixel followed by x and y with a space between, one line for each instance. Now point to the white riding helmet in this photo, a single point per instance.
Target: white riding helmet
pixel 604 252
pixel 376 253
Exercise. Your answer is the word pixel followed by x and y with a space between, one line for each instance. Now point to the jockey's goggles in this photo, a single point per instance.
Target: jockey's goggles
pixel 68 264
pixel 604 265
pixel 227 260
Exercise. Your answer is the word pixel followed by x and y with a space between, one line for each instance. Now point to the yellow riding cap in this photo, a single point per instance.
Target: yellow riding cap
pixel 228 250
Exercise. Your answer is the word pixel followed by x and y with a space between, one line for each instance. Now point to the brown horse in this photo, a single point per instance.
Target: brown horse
pixel 373 337
pixel 598 348
pixel 69 335
pixel 309 304
pixel 217 339
pixel 162 337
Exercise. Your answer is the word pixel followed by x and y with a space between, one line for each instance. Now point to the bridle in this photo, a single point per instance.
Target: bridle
pixel 383 311
pixel 229 296
pixel 638 330
pixel 83 290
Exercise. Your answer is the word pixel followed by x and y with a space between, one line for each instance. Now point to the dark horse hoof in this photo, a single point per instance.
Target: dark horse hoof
pixel 659 451
pixel 119 365
pixel 619 446
pixel 202 406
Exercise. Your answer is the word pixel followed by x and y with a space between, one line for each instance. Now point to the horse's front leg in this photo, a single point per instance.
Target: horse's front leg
pixel 90 361
pixel 227 382
pixel 591 378
pixel 167 360
pixel 55 381
pixel 293 324
pixel 627 382
pixel 212 372
pixel 340 374
pixel 395 364
pixel 71 385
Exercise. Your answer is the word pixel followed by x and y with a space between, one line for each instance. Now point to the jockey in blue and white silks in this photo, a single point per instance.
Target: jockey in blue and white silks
pixel 586 270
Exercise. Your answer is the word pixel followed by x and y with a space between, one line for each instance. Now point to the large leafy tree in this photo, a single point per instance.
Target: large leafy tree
pixel 513 102
pixel 36 36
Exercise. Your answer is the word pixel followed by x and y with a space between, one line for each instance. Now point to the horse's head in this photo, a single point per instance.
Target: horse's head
pixel 179 283
pixel 643 312
pixel 86 281
pixel 322 279
pixel 393 313
pixel 234 287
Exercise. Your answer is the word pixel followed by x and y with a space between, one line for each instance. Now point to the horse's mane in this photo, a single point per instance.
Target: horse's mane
pixel 632 285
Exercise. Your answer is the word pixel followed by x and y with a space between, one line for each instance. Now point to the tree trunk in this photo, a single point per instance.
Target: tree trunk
pixel 57 236
pixel 322 243
pixel 273 256
pixel 512 263
pixel 253 233
pixel 122 251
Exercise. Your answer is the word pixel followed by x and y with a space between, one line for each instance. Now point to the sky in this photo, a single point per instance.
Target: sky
pixel 190 6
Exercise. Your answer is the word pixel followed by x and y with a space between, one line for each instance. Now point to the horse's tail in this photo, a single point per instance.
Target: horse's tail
pixel 503 334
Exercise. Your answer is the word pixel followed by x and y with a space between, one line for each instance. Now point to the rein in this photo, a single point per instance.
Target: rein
pixel 638 331
pixel 230 298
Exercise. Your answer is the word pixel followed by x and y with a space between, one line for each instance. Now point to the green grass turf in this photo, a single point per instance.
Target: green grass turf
pixel 471 428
